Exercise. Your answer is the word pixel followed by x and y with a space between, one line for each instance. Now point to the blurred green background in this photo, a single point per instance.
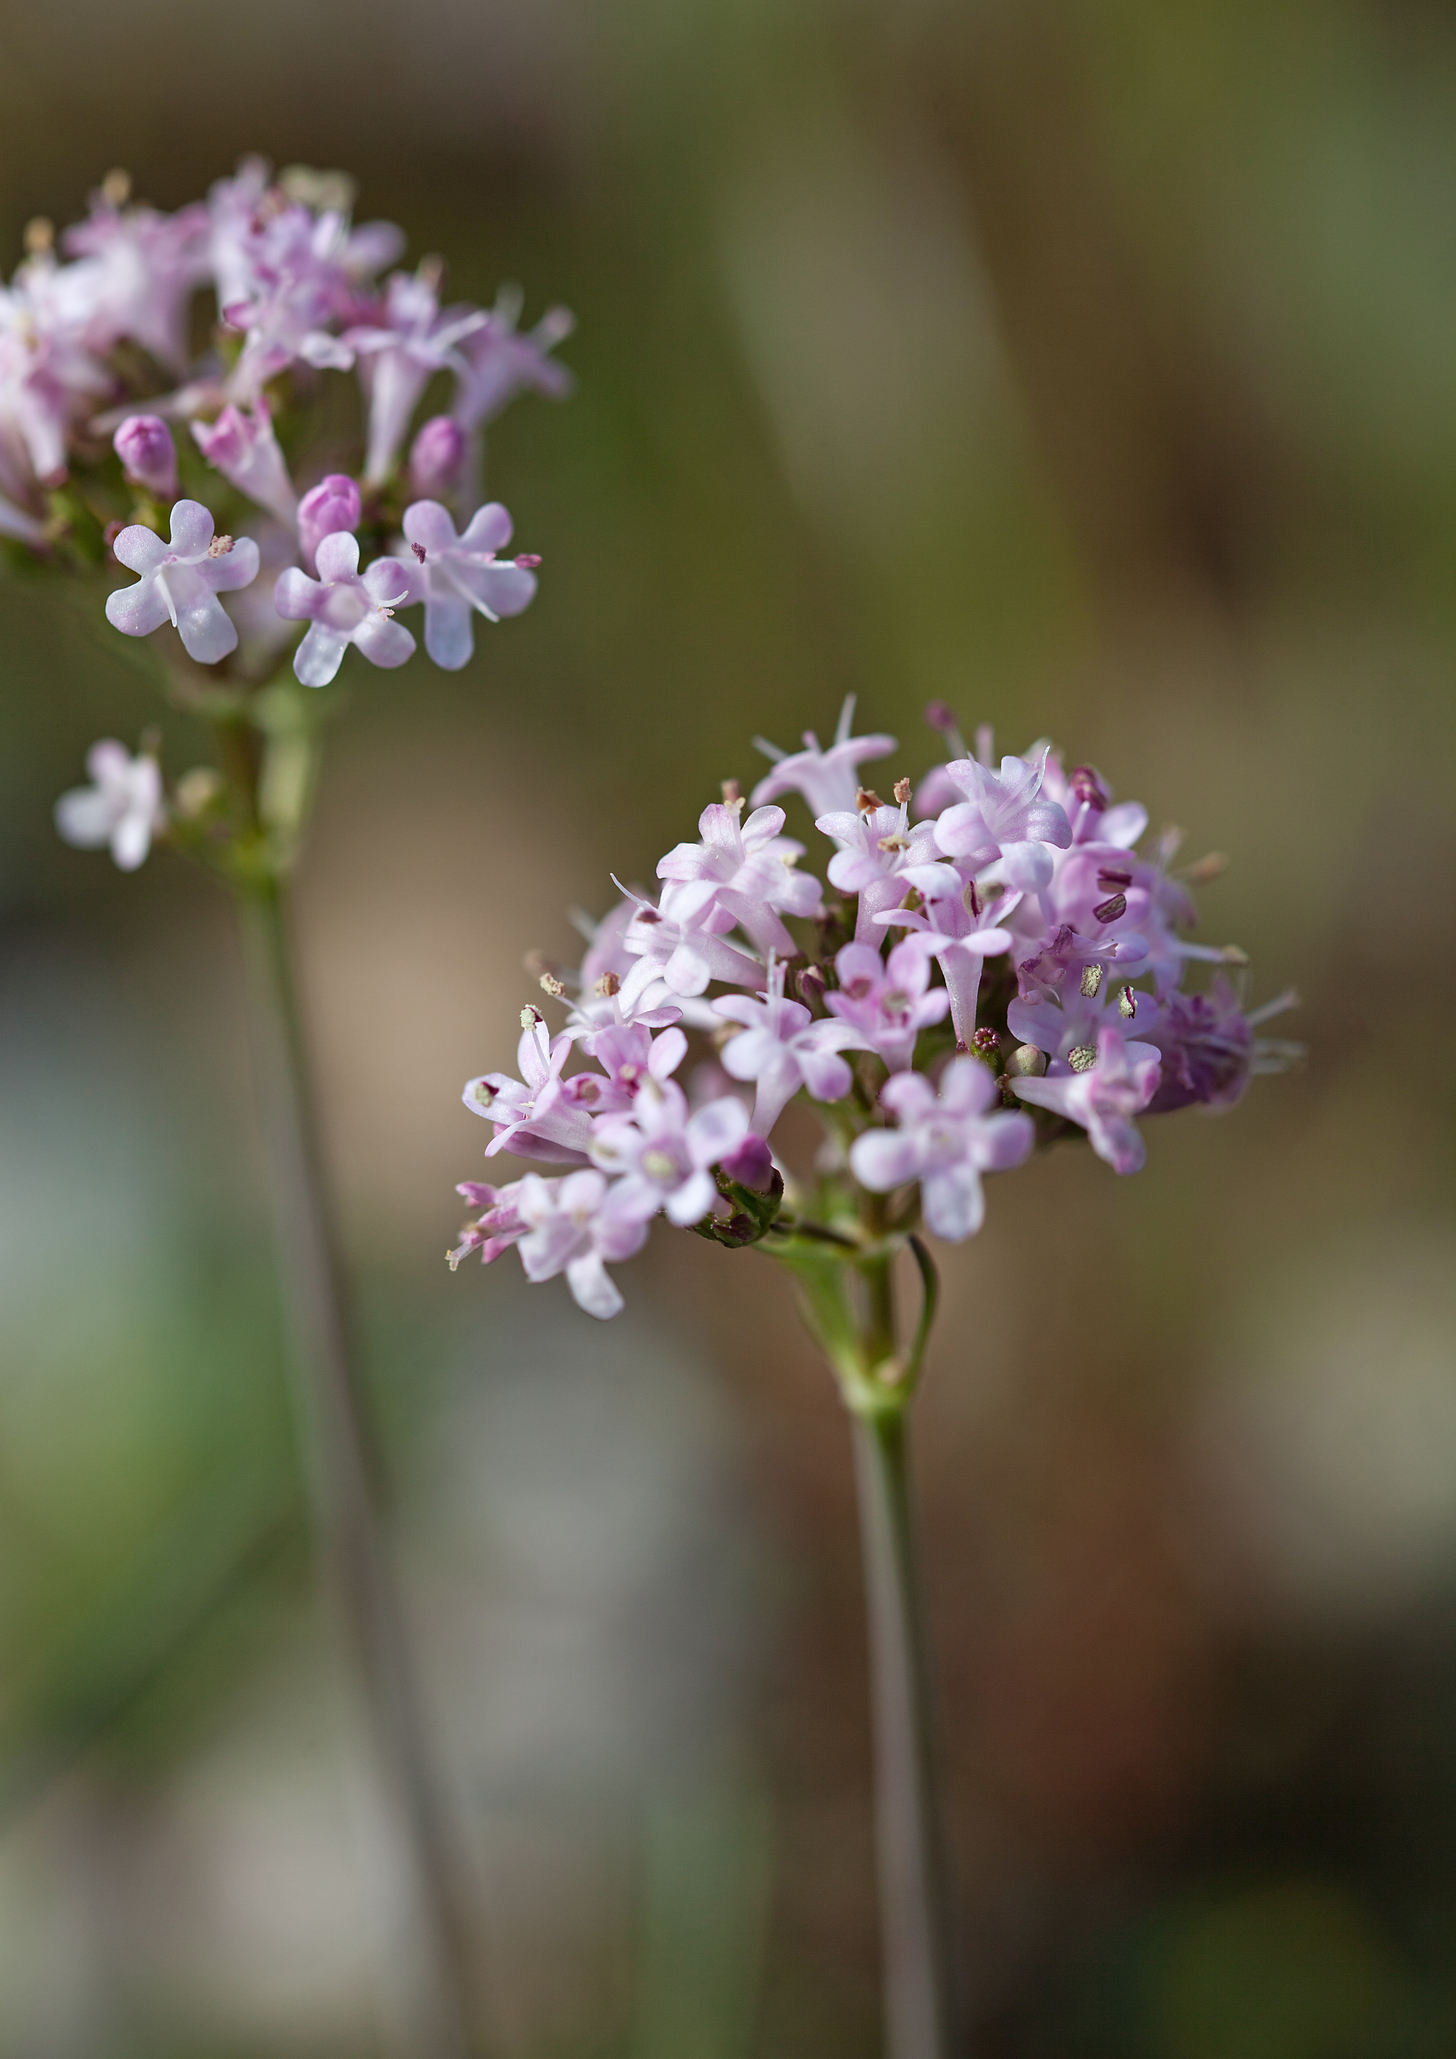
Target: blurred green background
pixel 1089 366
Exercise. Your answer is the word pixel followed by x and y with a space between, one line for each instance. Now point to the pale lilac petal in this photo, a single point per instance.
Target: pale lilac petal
pixel 967 1087
pixel 192 530
pixel 744 1057
pixel 692 1200
pixel 296 595
pixel 428 524
pixel 954 1203
pixel 450 633
pixel 883 1159
pixel 319 656
pixel 909 1095
pixel 387 583
pixel 1027 865
pixel 337 556
pixel 384 641
pixel 85 817
pixel 488 530
pixel 826 1074
pixel 138 610
pixel 234 569
pixel 207 631
pixel 1122 825
pixel 1004 1141
pixel 132 840
pixel 142 550
pixel 591 1287
pixel 668 1052
pixel 716 1129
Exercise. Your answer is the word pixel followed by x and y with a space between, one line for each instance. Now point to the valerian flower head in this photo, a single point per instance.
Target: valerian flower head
pixel 179 582
pixel 459 577
pixel 1017 906
pixel 122 806
pixel 344 607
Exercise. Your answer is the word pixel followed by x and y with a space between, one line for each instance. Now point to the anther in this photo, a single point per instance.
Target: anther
pixel 893 842
pixel 1232 955
pixel 531 1017
pixel 1091 981
pixel 419 551
pixel 866 799
pixel 1127 1001
pixel 528 561
pixel 1113 876
pixel 550 984
pixel 902 792
pixel 1082 1058
pixel 116 187
pixel 607 986
pixel 1205 869
pixel 1111 909
pixel 971 900
pixel 40 236
pixel 219 547
pixel 732 794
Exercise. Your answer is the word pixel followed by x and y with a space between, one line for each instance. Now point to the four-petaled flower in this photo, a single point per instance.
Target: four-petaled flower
pixel 828 780
pixel 782 1048
pixel 179 582
pixel 946 1141
pixel 576 1226
pixel 888 1000
pixel 1003 816
pixel 345 608
pixel 458 576
pixel 122 806
pixel 535 1116
pixel 1118 1081
pixel 746 871
pixel 663 1154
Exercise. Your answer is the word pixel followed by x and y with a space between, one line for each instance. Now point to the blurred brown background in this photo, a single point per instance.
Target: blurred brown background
pixel 1092 367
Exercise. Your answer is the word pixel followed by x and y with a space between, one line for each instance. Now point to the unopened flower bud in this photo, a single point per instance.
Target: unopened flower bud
pixel 1082 1058
pixel 1111 909
pixel 197 790
pixel 811 984
pixel 437 458
pixel 1087 787
pixel 1091 981
pixel 1029 1062
pixel 751 1165
pixel 1127 1001
pixel 148 454
pixel 325 509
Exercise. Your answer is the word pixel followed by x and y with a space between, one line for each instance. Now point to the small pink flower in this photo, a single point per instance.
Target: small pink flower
pixel 946 1141
pixel 122 806
pixel 345 608
pixel 180 582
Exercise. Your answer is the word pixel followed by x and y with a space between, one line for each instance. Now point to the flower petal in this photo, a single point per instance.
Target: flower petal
pixel 319 656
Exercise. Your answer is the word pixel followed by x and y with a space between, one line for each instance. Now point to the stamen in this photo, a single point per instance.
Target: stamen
pixel 867 799
pixel 531 1018
pixel 528 561
pixel 732 794
pixel 1091 981
pixel 607 987
pixel 1082 1058
pixel 971 900
pixel 1111 909
pixel 1204 869
pixel 116 187
pixel 1087 787
pixel 40 236
pixel 1127 1002
pixel 551 985
pixel 419 551
pixel 1113 876
pixel 902 792
pixel 219 547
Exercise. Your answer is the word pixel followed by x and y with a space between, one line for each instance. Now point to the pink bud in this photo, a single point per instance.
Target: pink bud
pixel 751 1165
pixel 437 459
pixel 326 508
pixel 148 455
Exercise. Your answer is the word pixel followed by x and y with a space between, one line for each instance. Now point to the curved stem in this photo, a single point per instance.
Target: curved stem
pixel 343 1473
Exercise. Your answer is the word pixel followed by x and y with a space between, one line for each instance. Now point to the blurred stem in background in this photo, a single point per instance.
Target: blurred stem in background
pixel 343 1471
pixel 848 1302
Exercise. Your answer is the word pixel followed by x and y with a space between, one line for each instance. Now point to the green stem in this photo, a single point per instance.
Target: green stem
pixel 858 1336
pixel 343 1473
pixel 914 1911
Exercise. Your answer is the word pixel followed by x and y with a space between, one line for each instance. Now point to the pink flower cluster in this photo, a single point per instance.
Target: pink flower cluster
pixel 95 367
pixel 992 965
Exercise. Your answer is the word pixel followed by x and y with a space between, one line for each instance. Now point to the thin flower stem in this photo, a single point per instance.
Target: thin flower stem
pixel 914 1925
pixel 343 1473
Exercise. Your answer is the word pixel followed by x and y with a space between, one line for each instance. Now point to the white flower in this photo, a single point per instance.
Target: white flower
pixel 122 808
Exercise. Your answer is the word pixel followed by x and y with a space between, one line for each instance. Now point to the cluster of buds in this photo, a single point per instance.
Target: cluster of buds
pixel 991 966
pixel 212 473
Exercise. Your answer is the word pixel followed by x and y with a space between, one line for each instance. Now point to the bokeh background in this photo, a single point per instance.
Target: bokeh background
pixel 1089 366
